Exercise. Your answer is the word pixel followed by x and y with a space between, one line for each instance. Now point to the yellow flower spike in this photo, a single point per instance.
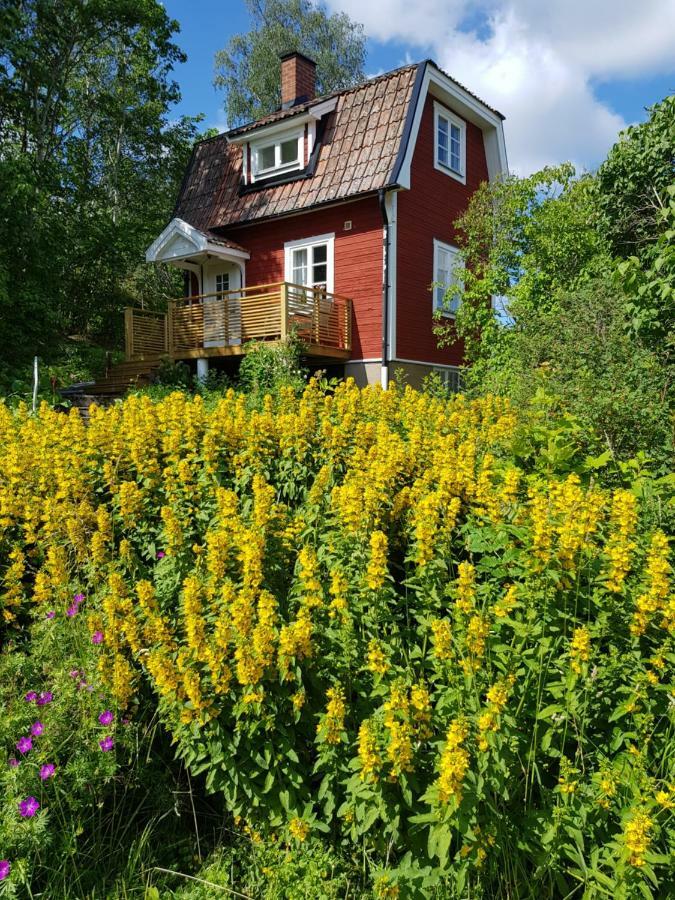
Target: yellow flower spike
pixel 331 728
pixel 441 639
pixel 466 587
pixel 580 649
pixel 377 564
pixel 377 661
pixel 369 753
pixel 454 762
pixel 637 837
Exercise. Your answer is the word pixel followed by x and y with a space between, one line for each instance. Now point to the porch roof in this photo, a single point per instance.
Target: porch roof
pixel 182 241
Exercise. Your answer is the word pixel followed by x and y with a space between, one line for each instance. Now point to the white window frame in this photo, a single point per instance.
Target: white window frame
pixel 443 112
pixel 451 376
pixel 307 243
pixel 222 276
pixel 278 168
pixel 459 264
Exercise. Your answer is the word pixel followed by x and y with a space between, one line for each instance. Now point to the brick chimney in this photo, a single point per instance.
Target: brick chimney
pixel 298 79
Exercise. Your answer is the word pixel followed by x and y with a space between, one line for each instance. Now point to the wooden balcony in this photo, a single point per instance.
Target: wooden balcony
pixel 221 324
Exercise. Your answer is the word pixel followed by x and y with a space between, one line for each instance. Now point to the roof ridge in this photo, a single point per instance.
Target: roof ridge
pixel 247 126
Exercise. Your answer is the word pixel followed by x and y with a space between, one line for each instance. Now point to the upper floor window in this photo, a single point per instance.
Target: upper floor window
pixel 448 267
pixel 273 157
pixel 449 143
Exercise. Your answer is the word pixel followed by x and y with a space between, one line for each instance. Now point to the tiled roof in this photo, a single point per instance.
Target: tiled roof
pixel 224 242
pixel 357 154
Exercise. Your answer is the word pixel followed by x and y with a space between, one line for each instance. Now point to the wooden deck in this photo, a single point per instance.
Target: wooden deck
pixel 221 324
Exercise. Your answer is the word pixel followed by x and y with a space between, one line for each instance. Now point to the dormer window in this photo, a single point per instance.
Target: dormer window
pixel 283 153
pixel 449 143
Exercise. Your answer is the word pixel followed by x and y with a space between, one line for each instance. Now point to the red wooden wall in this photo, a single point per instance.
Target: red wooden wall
pixel 425 212
pixel 358 260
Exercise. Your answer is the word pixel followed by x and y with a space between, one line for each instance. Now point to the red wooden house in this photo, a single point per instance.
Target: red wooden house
pixel 332 216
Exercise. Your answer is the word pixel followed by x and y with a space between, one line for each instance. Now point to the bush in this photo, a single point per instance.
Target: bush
pixel 409 626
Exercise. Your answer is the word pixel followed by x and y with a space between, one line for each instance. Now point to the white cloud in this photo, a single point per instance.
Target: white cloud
pixel 535 61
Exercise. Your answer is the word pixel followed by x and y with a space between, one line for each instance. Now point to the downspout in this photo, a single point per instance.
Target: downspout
pixel 384 371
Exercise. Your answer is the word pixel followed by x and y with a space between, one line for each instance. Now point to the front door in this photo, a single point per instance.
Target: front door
pixel 215 310
pixel 222 306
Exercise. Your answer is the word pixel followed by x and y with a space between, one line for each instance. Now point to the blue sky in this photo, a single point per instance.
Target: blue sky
pixel 566 88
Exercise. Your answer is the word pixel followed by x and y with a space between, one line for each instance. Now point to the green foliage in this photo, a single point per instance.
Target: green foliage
pixel 248 70
pixel 89 164
pixel 632 185
pixel 649 284
pixel 104 815
pixel 267 368
pixel 268 870
pixel 591 331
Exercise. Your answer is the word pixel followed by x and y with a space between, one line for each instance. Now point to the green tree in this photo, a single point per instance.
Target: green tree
pixel 247 69
pixel 583 329
pixel 632 184
pixel 89 160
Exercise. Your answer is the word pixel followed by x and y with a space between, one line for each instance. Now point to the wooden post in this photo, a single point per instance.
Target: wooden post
pixel 283 297
pixel 316 304
pixel 129 332
pixel 168 324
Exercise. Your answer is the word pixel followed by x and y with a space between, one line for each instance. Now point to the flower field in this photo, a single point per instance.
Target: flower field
pixel 384 621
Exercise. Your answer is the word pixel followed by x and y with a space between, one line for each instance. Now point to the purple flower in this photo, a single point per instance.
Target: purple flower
pixel 72 611
pixel 74 673
pixel 78 598
pixel 36 729
pixel 46 771
pixel 14 762
pixel 82 685
pixel 30 696
pixel 107 743
pixel 28 807
pixel 24 744
pixel 161 554
pixel 50 614
pixel 45 698
pixel 106 718
pixel 97 637
pixel 4 869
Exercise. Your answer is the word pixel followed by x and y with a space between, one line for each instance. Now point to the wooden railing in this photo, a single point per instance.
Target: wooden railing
pixel 221 323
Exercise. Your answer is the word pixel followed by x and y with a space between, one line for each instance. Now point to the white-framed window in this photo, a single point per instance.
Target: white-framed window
pixel 310 261
pixel 283 153
pixel 222 281
pixel 448 267
pixel 451 378
pixel 449 143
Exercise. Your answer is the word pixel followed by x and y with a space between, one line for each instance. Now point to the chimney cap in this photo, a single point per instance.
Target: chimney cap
pixel 291 53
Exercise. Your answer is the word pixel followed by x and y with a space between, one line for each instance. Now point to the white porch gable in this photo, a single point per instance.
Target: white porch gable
pixel 182 242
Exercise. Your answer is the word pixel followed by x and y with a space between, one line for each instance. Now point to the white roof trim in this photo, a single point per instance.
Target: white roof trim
pixel 468 107
pixel 291 123
pixel 180 241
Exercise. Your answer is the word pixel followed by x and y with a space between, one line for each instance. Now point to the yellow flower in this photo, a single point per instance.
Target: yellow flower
pixel 466 588
pixel 399 748
pixel 369 754
pixel 580 649
pixel 505 606
pixel 637 837
pixel 377 564
pixel 299 829
pixel 442 639
pixel 454 763
pixel 332 727
pixel 377 661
